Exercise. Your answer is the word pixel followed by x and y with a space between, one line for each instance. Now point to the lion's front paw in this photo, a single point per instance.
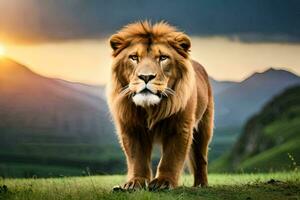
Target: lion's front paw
pixel 160 184
pixel 135 184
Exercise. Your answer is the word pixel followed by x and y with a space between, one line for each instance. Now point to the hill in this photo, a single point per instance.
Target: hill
pixel 33 103
pixel 270 139
pixel 43 117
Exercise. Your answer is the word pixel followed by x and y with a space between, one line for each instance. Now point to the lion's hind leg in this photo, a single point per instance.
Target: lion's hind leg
pixel 198 153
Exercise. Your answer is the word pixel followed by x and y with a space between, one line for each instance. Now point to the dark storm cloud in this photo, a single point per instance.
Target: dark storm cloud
pixel 49 20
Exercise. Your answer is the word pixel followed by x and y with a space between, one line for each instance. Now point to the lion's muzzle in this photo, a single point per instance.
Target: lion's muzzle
pixel 146 96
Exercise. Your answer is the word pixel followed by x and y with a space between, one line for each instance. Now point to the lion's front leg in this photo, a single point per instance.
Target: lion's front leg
pixel 138 155
pixel 175 148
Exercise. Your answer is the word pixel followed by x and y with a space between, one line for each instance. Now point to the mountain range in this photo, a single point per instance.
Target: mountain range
pixel 236 101
pixel 48 121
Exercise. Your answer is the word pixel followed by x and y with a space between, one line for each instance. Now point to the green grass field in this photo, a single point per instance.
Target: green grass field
pixel 222 186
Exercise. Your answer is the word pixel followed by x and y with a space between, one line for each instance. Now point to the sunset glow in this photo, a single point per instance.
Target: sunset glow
pixel 2 50
pixel 89 61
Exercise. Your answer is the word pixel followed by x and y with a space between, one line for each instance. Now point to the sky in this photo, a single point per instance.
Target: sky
pixel 232 39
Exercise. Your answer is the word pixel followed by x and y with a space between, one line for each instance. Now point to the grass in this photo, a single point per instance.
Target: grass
pixel 275 158
pixel 222 186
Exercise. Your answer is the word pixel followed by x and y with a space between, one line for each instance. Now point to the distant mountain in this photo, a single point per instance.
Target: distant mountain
pixel 238 101
pixel 32 104
pixel 270 139
pixel 220 86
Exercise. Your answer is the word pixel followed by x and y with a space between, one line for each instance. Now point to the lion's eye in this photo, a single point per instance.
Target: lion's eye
pixel 134 58
pixel 163 57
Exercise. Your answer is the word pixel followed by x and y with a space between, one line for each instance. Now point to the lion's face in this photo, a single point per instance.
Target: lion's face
pixel 151 73
pixel 148 66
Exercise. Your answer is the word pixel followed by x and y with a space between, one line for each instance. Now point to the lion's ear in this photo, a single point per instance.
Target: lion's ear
pixel 181 42
pixel 116 43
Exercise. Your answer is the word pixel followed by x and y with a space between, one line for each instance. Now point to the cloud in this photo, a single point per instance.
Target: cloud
pixel 56 20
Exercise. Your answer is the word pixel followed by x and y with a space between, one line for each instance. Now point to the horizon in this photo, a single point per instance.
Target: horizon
pixel 88 61
pixel 92 84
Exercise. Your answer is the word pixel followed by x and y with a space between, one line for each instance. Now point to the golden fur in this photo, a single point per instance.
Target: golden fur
pixel 158 94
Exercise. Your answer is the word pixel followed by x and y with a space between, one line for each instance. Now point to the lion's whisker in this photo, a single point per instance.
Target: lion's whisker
pixel 170 91
pixel 125 91
pixel 164 94
pixel 124 88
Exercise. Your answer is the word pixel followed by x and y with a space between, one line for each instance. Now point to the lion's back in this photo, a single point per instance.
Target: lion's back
pixel 204 90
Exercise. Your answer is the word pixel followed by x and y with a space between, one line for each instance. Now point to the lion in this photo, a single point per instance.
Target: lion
pixel 158 94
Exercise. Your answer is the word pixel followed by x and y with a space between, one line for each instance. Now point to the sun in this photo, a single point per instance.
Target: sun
pixel 2 50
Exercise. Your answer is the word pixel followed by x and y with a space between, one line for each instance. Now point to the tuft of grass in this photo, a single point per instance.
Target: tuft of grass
pixel 285 185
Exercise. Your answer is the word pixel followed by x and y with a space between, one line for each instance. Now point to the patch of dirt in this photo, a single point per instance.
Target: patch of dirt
pixel 273 181
pixel 3 189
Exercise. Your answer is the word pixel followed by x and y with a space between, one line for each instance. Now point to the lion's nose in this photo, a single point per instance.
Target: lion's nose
pixel 147 78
